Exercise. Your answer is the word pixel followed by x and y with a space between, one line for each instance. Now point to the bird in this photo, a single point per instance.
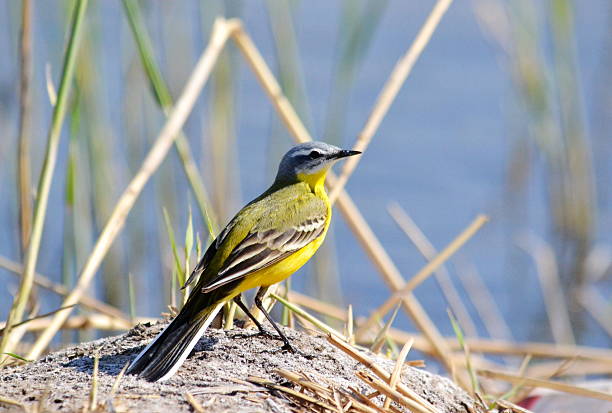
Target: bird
pixel 267 241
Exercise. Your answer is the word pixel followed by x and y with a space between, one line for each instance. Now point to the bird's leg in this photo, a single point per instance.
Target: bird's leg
pixel 245 309
pixel 258 302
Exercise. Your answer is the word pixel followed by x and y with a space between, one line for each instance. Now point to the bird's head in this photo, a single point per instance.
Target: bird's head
pixel 309 162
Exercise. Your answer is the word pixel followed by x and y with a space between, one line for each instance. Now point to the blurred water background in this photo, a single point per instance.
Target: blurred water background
pixel 507 112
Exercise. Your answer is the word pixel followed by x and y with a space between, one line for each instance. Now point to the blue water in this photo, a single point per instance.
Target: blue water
pixel 442 151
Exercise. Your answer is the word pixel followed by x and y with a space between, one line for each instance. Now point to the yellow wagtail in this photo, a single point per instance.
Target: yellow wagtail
pixel 267 241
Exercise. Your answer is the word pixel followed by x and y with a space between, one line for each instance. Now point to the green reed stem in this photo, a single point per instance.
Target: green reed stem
pixel 46 175
pixel 162 94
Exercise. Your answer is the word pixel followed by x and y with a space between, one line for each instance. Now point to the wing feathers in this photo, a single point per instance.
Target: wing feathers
pixel 260 249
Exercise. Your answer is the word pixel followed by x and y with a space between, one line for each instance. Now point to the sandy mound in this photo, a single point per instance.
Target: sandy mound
pixel 216 375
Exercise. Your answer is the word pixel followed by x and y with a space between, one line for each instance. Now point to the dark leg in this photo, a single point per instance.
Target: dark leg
pixel 258 297
pixel 245 309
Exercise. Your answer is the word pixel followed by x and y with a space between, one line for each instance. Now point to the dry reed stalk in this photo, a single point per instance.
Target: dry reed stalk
pixel 296 378
pixel 576 368
pixel 270 85
pixel 115 386
pixel 546 384
pixel 25 103
pixel 596 305
pixel 354 218
pixel 295 394
pixel 426 248
pixel 597 356
pixel 511 407
pixel 194 403
pixel 391 275
pixel 365 400
pixel 93 394
pixel 86 300
pixel 222 29
pixel 550 284
pixel 91 321
pixel 390 393
pixel 350 325
pixel 326 393
pixel 282 105
pixel 501 347
pixel 320 325
pixel 387 95
pixel 379 371
pixel 10 337
pixel 12 402
pixel 317 305
pixel 397 369
pixel 338 402
pixel 484 302
pixel 425 272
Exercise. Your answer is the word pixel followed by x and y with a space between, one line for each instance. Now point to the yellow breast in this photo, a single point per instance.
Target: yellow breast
pixel 284 268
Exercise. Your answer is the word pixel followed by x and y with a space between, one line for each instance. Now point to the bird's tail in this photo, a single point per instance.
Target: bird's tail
pixel 165 354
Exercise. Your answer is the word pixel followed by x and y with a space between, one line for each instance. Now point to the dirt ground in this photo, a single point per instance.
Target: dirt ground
pixel 215 374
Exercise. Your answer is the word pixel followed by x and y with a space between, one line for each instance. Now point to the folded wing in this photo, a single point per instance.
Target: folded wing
pixel 262 248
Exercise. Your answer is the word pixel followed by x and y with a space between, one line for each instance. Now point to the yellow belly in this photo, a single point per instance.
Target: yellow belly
pixel 282 269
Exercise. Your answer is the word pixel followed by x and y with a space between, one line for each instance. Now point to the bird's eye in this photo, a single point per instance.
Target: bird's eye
pixel 314 155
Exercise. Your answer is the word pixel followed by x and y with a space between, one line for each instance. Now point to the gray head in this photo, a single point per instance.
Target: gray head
pixel 310 158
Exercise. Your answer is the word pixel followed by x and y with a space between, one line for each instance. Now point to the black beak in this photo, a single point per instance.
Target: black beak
pixel 344 153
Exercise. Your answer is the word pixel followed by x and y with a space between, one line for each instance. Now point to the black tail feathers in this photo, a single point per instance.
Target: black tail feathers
pixel 165 354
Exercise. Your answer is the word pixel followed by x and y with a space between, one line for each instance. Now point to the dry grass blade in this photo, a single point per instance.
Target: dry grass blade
pixel 379 371
pixel 397 369
pixel 382 335
pixel 425 272
pixel 390 393
pixel 308 317
pixel 546 384
pixel 29 320
pixel 327 394
pixel 350 325
pixel 387 95
pixel 297 379
pixel 511 406
pixel 550 283
pixel 364 401
pixel 93 394
pixel 425 247
pixel 194 403
pixel 221 31
pixel 339 406
pixel 44 282
pixel 301 397
pixel 117 381
pixel 12 402
pixel 317 305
